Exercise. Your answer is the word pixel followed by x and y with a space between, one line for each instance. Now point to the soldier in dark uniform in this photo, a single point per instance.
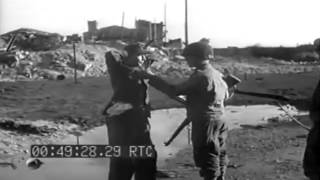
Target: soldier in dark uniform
pixel 131 126
pixel 311 161
pixel 205 92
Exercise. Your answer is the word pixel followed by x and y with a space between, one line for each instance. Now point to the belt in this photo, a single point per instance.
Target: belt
pixel 217 105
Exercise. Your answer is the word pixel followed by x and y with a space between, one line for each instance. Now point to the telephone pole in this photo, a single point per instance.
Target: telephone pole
pixel 122 24
pixel 186 23
pixel 186 43
pixel 165 22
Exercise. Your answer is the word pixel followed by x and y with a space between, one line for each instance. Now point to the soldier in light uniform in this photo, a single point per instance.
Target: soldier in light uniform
pixel 205 92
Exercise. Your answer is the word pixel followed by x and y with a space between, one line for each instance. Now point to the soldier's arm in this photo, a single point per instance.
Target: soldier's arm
pixel 115 67
pixel 162 85
pixel 168 88
pixel 189 85
pixel 114 63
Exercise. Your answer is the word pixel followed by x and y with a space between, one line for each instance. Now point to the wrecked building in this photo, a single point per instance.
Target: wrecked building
pixel 116 33
pixel 91 34
pixel 147 31
pixel 174 44
pixel 143 31
pixel 31 39
pixel 72 38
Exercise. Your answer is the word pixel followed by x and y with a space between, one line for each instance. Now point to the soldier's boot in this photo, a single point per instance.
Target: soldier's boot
pixel 210 178
pixel 314 177
pixel 222 172
pixel 221 178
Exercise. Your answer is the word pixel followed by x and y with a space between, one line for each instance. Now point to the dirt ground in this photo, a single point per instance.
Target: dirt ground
pixel 47 111
pixel 272 152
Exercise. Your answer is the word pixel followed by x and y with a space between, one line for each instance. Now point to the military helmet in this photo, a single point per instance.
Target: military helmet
pixel 199 50
pixel 316 44
pixel 205 40
pixel 135 48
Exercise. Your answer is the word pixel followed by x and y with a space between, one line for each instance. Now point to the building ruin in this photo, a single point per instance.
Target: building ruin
pixel 144 31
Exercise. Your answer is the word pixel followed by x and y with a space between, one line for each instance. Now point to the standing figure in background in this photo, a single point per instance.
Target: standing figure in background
pixel 311 160
pixel 316 45
pixel 128 115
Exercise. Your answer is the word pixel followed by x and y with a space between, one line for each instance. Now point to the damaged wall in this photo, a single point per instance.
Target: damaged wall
pixel 147 31
pixel 116 32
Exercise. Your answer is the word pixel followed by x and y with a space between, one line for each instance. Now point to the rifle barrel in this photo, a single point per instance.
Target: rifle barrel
pixel 263 95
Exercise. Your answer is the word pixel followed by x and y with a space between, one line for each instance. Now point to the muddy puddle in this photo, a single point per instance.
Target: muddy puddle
pixel 163 123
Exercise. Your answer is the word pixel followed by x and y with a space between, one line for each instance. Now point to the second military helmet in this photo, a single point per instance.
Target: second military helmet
pixel 316 44
pixel 135 48
pixel 199 50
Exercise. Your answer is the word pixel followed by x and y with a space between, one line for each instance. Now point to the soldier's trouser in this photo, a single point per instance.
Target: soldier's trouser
pixel 142 169
pixel 210 147
pixel 131 128
pixel 311 160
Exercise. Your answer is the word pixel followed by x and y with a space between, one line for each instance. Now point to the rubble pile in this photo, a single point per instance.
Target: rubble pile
pixel 46 58
pixel 90 62
pixel 54 63
pixel 62 61
pixel 3 43
pixel 35 40
pixel 172 69
pixel 20 127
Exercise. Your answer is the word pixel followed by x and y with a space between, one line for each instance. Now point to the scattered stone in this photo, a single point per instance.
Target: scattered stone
pixel 26 128
pixel 302 136
pixel 274 119
pixel 253 126
pixel 166 174
pixel 61 77
pixel 8 164
pixel 33 163
pixel 186 165
pixel 279 161
pixel 234 166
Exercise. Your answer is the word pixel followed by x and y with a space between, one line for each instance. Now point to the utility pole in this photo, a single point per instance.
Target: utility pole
pixel 75 39
pixel 155 35
pixel 186 23
pixel 74 62
pixel 150 31
pixel 122 24
pixel 186 43
pixel 165 22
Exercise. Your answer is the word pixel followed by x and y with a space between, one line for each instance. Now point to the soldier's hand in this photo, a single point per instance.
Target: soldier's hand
pixel 167 143
pixel 138 73
pixel 149 60
pixel 231 91
pixel 299 103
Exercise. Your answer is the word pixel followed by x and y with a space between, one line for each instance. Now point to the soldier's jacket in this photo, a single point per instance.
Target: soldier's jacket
pixel 125 89
pixel 205 90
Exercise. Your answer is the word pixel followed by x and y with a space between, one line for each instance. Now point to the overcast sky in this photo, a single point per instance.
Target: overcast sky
pixel 225 22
